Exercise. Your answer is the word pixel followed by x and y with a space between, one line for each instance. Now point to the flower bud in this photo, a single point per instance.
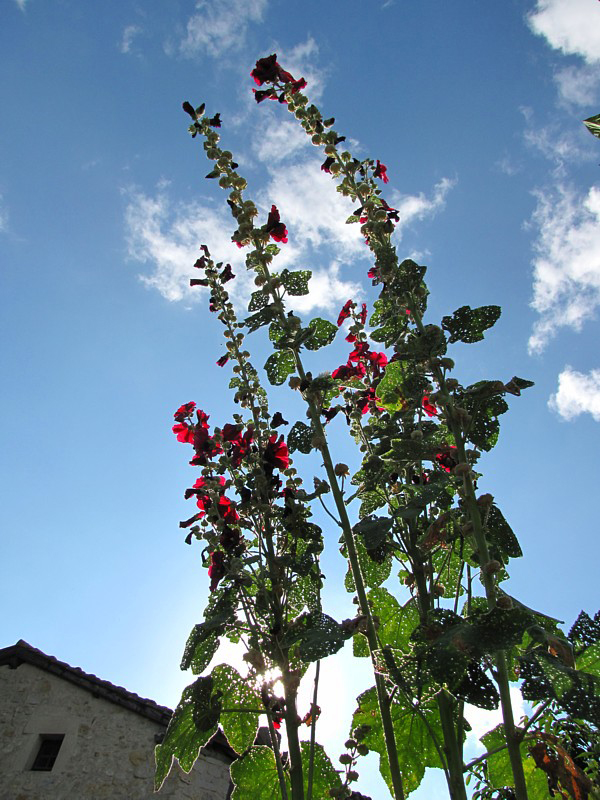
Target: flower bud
pixel 316 139
pixel 485 500
pixel 452 383
pixel 492 567
pixel 416 435
pixel 447 363
pixel 294 382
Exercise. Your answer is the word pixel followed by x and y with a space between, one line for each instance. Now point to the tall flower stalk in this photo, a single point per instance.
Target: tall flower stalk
pixel 420 432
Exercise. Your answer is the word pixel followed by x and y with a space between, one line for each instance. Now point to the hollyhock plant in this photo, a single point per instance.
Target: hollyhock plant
pixel 457 639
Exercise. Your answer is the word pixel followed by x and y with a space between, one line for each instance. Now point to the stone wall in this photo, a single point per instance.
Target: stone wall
pixel 107 752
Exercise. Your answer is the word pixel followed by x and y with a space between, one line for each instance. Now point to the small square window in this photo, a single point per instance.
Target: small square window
pixel 48 749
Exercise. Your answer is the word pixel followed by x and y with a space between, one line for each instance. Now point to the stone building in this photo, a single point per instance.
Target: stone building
pixel 67 735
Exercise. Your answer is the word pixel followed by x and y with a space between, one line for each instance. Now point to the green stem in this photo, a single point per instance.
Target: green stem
pixel 313 730
pixel 291 726
pixel 278 764
pixel 455 777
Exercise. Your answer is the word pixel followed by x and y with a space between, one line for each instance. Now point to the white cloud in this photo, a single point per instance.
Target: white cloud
pixel 566 284
pixel 326 290
pixel 578 86
pixel 561 147
pixel 412 208
pixel 578 393
pixel 21 4
pixel 129 34
pixel 281 140
pixel 168 237
pixel 572 26
pixel 220 25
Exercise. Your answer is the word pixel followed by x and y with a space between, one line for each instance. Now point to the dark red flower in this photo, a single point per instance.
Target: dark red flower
pixel 361 350
pixel 223 360
pixel 363 314
pixel 275 228
pixel 215 122
pixel 200 263
pixel 351 338
pixel 204 445
pixel 183 432
pixel 378 359
pixel 216 570
pixel 267 70
pixel 198 282
pixel 276 454
pixel 447 459
pixel 227 274
pixel 373 273
pixel 366 401
pixel 186 410
pixel 231 433
pixel 231 540
pixel 428 407
pixel 326 165
pixel 297 85
pixel 264 94
pixel 345 312
pixel 392 213
pixel 349 370
pixel 277 420
pixel 226 509
pixel 202 418
pixel 381 172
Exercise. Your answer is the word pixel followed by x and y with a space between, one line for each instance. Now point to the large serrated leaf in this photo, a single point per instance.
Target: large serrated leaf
pixel 468 324
pixel 320 637
pixel 323 333
pixel 255 776
pixel 296 283
pixel 396 622
pixel 279 365
pixel 484 429
pixel 262 317
pixel 374 572
pixel 199 649
pixel 300 437
pixel 237 696
pixel 193 724
pixel 499 769
pixel 501 535
pixel 258 300
pixel 417 750
pixel 390 394
pixel 325 776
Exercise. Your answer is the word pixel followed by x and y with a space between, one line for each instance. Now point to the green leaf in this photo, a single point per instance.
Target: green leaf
pixel 236 693
pixel 325 777
pixel 199 649
pixel 296 283
pixel 320 636
pixel 501 535
pixel 417 750
pixel 323 333
pixel 484 428
pixel 390 393
pixel 262 317
pixel 279 365
pixel 589 660
pixel 370 501
pixel 214 174
pixel 374 573
pixel 258 300
pixel 255 776
pixel 300 437
pixel 373 530
pixel 396 622
pixel 468 324
pixel 193 724
pixel 499 769
pixel 593 125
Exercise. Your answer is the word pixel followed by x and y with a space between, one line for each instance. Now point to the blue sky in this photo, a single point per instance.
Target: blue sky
pixel 475 109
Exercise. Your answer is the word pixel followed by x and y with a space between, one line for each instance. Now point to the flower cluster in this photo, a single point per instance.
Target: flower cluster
pixel 267 70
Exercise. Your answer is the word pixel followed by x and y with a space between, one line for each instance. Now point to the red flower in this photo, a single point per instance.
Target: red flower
pixel 276 454
pixel 326 165
pixel 361 350
pixel 363 314
pixel 183 432
pixel 205 447
pixel 223 360
pixel 226 509
pixel 428 407
pixel 349 370
pixel 186 410
pixel 381 172
pixel 216 570
pixel 263 94
pixel 297 85
pixel 275 227
pixel 447 460
pixel 378 359
pixel 267 70
pixel 202 418
pixel 227 274
pixel 345 312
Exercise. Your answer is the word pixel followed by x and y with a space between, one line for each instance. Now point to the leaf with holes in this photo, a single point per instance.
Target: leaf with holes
pixel 237 696
pixel 325 776
pixel 593 125
pixel 321 636
pixel 396 622
pixel 201 646
pixel 255 776
pixel 296 283
pixel 279 365
pixel 500 772
pixel 300 437
pixel 373 530
pixel 374 572
pixel 468 324
pixel 501 535
pixel 258 300
pixel 193 724
pixel 323 333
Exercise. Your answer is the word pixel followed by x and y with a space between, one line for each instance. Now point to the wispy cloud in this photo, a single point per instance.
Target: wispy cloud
pixel 482 720
pixel 21 4
pixel 220 25
pixel 566 286
pixel 3 215
pixel 129 34
pixel 578 393
pixel 578 86
pixel 572 27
